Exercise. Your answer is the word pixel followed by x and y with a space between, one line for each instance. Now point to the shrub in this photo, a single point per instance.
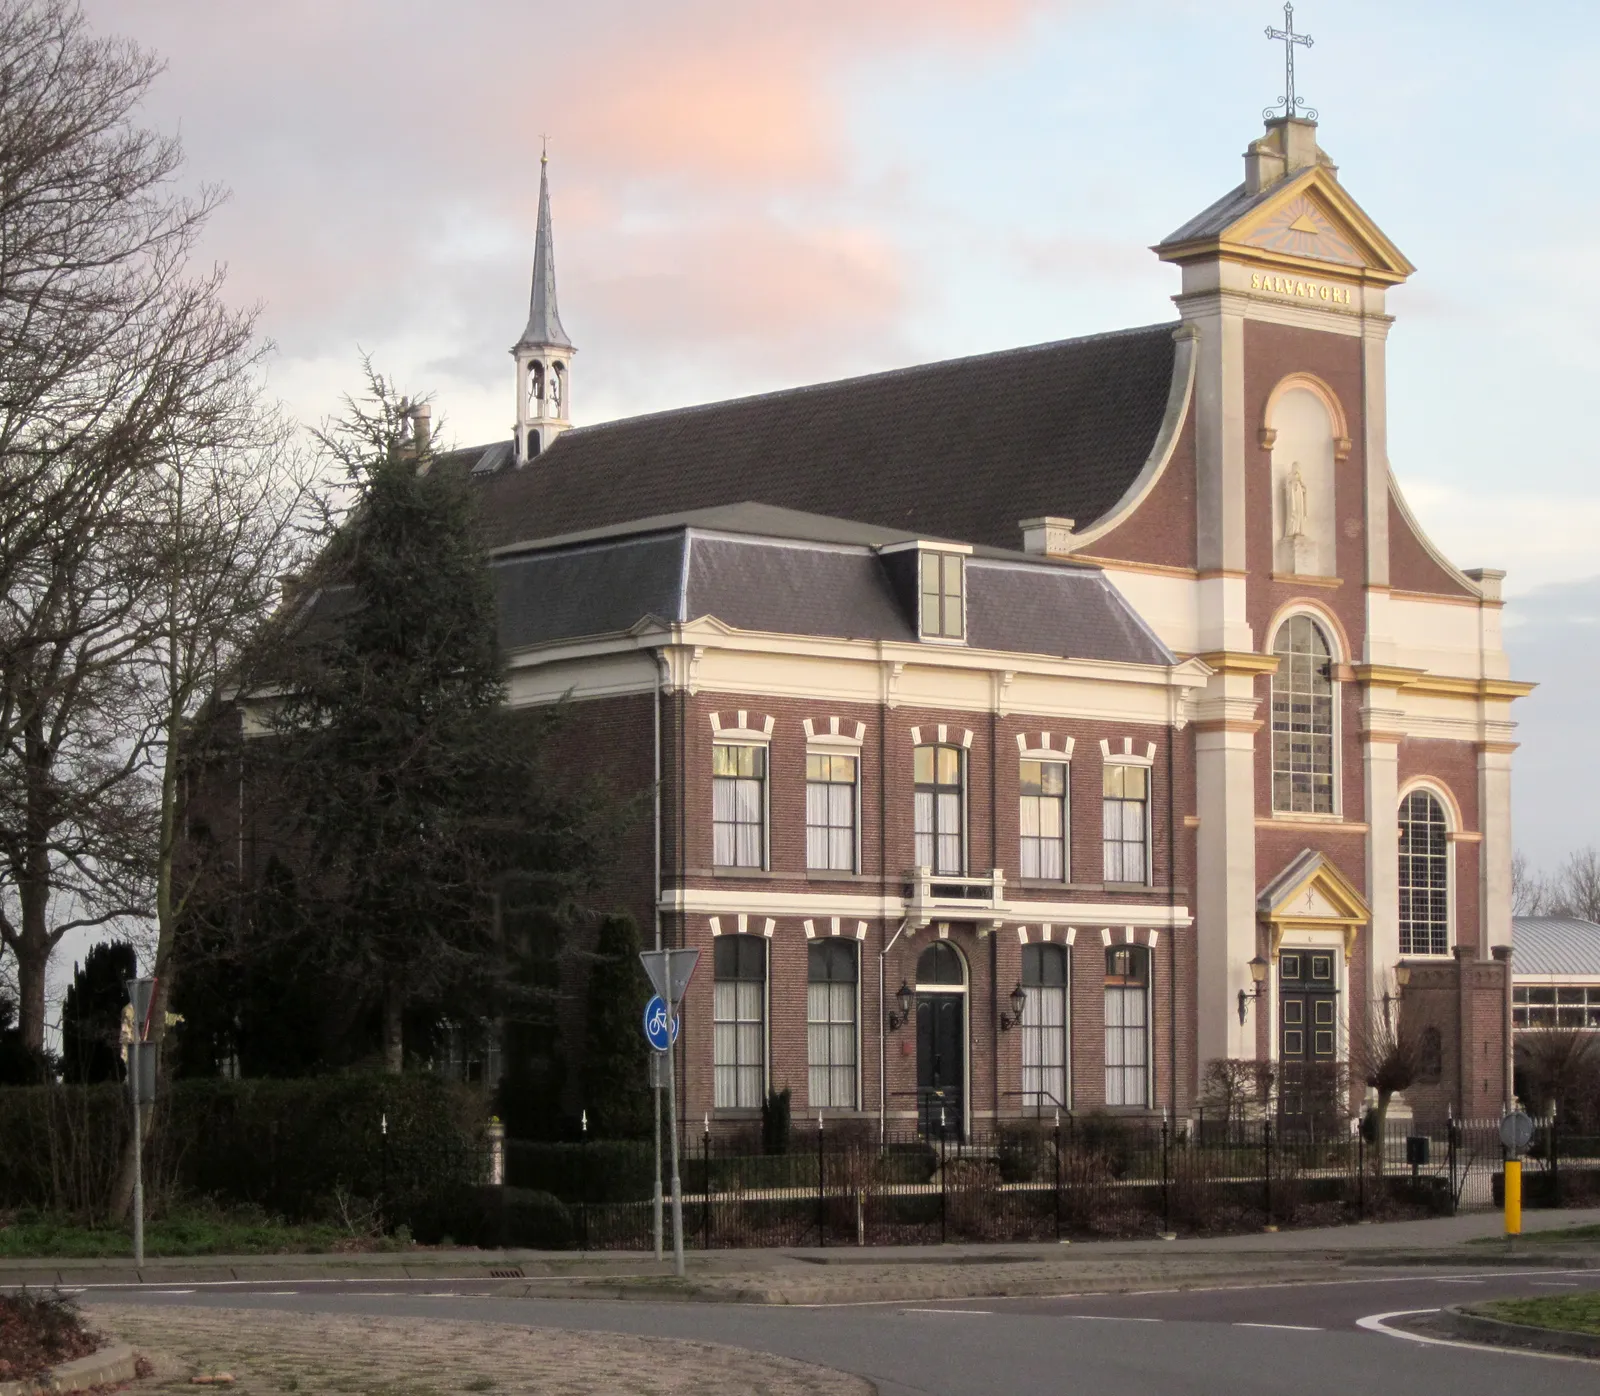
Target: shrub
pixel 602 1171
pixel 775 1123
pixel 284 1146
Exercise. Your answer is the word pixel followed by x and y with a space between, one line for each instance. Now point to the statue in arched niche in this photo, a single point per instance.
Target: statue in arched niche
pixel 1296 508
pixel 535 388
pixel 554 390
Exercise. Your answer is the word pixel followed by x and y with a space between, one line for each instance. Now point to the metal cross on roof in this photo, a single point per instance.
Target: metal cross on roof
pixel 1291 104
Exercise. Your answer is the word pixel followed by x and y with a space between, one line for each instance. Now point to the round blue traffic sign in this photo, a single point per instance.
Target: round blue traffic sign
pixel 655 1024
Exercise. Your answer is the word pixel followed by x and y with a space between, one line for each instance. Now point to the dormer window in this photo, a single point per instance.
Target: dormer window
pixel 944 596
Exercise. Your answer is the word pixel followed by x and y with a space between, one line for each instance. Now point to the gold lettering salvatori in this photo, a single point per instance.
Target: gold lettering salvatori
pixel 1300 290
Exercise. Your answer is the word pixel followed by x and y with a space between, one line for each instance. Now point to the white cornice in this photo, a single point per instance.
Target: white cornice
pixel 710 633
pixel 716 901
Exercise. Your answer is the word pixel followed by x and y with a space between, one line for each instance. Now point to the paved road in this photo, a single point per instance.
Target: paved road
pixel 1299 1338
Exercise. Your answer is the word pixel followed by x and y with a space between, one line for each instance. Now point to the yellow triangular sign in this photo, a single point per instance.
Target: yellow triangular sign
pixel 1304 224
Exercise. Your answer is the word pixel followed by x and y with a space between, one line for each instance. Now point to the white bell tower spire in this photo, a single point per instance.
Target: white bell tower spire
pixel 544 353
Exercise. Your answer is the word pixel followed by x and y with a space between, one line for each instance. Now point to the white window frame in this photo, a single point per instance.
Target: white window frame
pixel 765 860
pixel 938 636
pixel 1049 758
pixel 1148 1034
pixel 853 751
pixel 1025 1026
pixel 1451 826
pixel 766 1025
pixel 1330 637
pixel 962 782
pixel 1148 767
pixel 855 1087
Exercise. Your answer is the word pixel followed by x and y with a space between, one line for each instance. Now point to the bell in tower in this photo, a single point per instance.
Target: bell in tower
pixel 544 353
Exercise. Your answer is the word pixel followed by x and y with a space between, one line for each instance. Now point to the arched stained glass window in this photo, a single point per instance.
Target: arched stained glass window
pixel 1424 876
pixel 1302 719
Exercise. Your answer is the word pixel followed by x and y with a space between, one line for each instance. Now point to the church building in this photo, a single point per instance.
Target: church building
pixel 1029 730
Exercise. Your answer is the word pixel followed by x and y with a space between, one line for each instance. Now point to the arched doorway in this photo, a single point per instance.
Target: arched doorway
pixel 941 1041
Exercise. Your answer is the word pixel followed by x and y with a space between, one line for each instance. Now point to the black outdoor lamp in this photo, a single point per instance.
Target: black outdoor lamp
pixel 1402 977
pixel 1258 973
pixel 1019 999
pixel 907 1000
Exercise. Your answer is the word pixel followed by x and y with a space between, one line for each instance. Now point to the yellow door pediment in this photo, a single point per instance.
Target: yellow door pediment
pixel 1311 893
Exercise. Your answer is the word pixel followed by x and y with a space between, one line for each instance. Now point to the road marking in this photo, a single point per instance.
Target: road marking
pixel 1113 1318
pixel 947 1311
pixel 171 1291
pixel 1154 1291
pixel 1288 1327
pixel 1461 1282
pixel 1374 1323
pixel 1554 1284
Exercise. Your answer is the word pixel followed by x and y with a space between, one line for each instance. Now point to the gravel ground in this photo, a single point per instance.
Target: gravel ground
pixel 273 1353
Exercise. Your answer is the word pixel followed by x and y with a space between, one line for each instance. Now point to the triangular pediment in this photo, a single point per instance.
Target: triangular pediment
pixel 1304 220
pixel 1313 889
pixel 1310 216
pixel 1312 894
pixel 1302 227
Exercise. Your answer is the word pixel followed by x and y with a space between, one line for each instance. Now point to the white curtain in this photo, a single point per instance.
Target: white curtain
pixel 1127 1055
pixel 831 1045
pixel 1044 1049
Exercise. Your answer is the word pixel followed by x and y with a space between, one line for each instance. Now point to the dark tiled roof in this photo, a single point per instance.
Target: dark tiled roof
pixel 1227 210
pixel 962 449
pixel 1554 945
pixel 782 586
pixel 1039 610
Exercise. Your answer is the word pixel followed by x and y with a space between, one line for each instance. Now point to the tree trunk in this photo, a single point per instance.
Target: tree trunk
pixel 1380 1120
pixel 394 1056
pixel 33 960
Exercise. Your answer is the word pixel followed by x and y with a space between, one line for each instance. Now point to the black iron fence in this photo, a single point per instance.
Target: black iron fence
pixel 1081 1178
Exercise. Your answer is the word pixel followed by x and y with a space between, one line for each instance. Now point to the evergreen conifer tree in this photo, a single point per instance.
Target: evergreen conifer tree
pixel 410 791
pixel 91 1013
pixel 616 1088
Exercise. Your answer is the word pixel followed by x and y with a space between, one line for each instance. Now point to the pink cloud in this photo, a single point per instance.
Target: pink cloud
pixel 383 157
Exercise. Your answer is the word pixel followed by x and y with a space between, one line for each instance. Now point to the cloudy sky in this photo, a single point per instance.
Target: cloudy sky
pixel 751 194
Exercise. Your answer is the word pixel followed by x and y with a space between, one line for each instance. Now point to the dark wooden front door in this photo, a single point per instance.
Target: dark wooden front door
pixel 1308 1028
pixel 941 1064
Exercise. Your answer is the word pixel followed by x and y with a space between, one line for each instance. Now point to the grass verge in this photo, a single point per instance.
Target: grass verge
pixel 183 1234
pixel 1569 1313
pixel 1539 1238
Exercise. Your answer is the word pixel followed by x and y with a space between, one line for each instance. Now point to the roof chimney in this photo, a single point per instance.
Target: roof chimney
pixel 1048 536
pixel 421 426
pixel 1289 146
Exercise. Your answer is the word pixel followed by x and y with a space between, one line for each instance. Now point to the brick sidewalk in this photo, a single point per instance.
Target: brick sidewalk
pixel 274 1354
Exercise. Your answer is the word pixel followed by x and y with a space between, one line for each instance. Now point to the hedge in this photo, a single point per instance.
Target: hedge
pixel 295 1148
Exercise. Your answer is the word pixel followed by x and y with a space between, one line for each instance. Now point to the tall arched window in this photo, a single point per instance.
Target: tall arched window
pixel 1302 719
pixel 1424 876
pixel 1044 1028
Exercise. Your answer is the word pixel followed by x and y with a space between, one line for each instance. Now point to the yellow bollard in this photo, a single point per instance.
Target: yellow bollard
pixel 1513 1197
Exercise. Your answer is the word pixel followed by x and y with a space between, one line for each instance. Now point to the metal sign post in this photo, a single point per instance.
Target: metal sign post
pixel 670 972
pixel 656 1028
pixel 1516 1133
pixel 141 1091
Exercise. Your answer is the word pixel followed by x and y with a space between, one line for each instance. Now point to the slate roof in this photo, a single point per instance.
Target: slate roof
pixel 1555 946
pixel 813 585
pixel 965 448
pixel 1232 206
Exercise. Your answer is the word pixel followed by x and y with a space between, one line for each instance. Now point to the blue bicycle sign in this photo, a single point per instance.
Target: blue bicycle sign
pixel 655 1024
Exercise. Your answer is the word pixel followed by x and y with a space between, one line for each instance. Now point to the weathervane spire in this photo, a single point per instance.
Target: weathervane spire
pixel 1291 104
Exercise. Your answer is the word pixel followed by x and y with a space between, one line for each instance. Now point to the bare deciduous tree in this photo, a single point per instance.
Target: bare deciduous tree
pixel 114 360
pixel 1387 1057
pixel 1572 890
